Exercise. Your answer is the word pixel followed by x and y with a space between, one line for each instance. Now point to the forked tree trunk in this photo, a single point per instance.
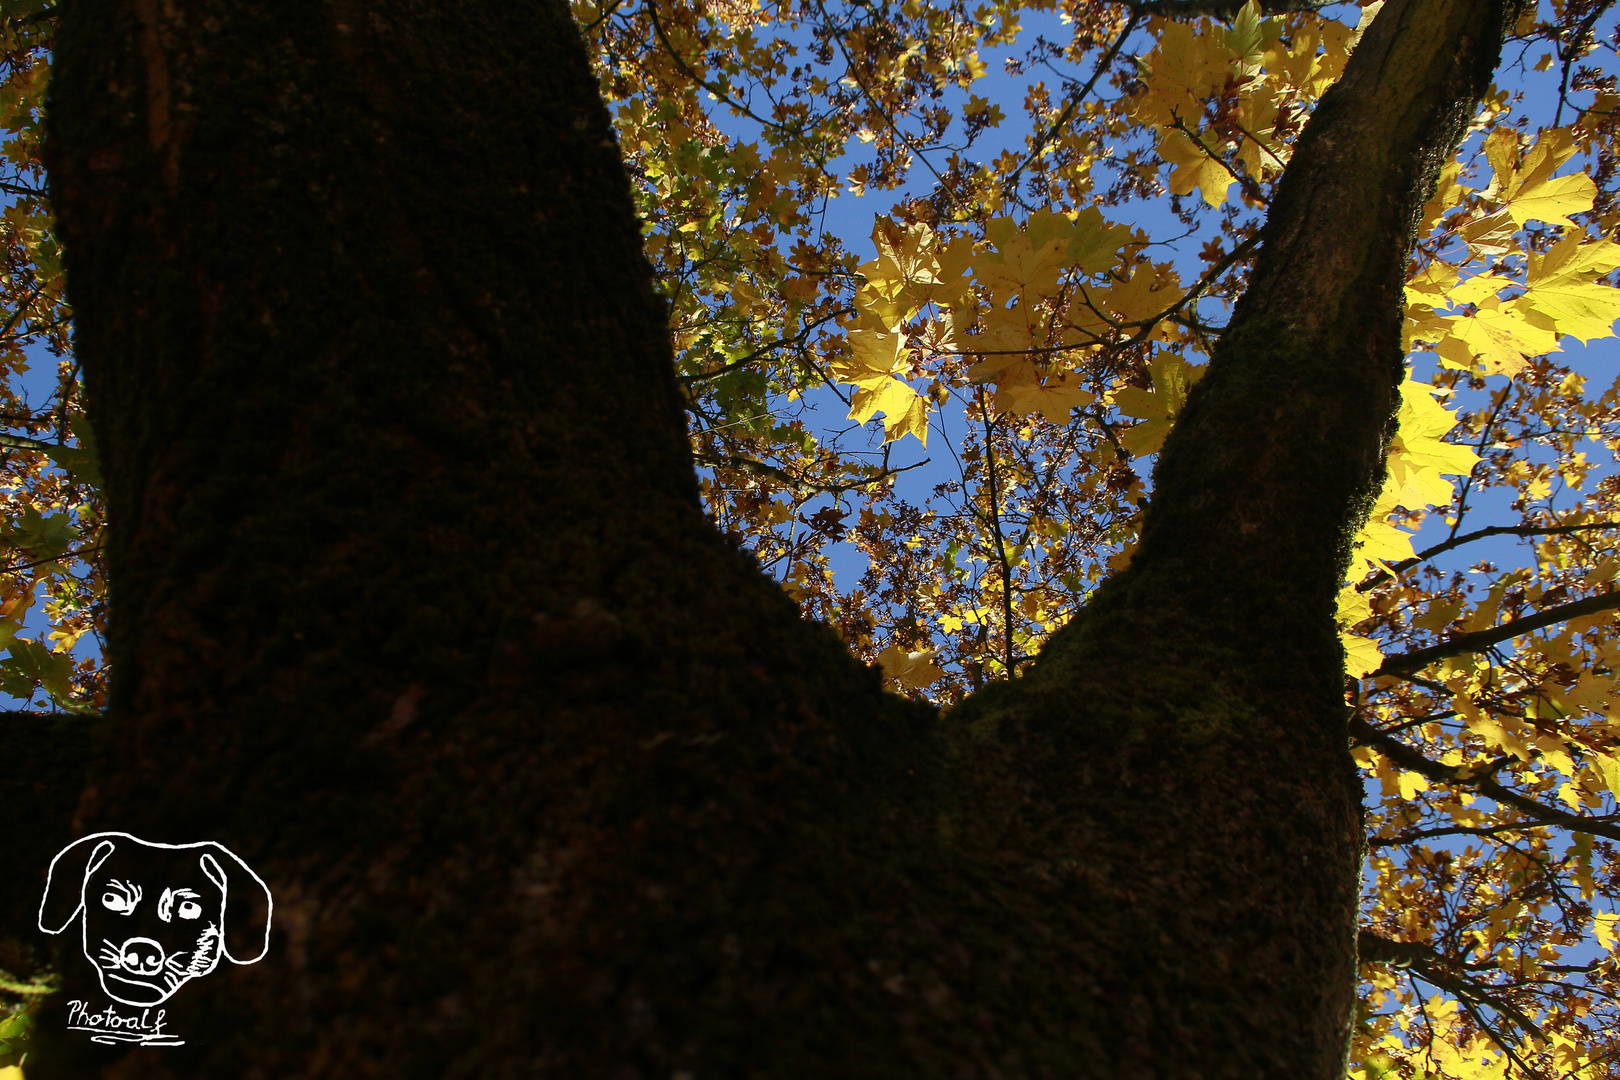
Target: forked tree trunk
pixel 415 609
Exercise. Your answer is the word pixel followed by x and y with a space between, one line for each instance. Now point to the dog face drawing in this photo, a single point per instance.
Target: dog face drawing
pixel 155 916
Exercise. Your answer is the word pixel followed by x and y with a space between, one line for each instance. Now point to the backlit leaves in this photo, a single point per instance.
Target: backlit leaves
pixel 960 407
pixel 1010 311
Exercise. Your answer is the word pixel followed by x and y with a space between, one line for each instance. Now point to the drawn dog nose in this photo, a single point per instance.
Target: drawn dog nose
pixel 142 956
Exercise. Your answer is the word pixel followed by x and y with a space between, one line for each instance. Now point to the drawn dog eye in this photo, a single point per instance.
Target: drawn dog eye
pixel 190 909
pixel 123 903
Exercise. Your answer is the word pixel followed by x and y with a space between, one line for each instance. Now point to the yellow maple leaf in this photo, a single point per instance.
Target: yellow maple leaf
pixel 1498 338
pixel 912 269
pixel 912 670
pixel 1422 325
pixel 1045 225
pixel 1419 441
pixel 1260 151
pixel 905 412
pixel 1250 36
pixel 1497 731
pixel 1096 243
pixel 1192 168
pixel 1494 234
pixel 1478 289
pixel 1052 399
pixel 1021 263
pixel 953 264
pixel 1526 184
pixel 1574 256
pixel 1411 783
pixel 1553 200
pixel 1158 408
pixel 953 623
pixel 1418 460
pixel 874 310
pixel 1608 768
pixel 1353 607
pixel 1151 291
pixel 1183 70
pixel 1563 285
pixel 1337 40
pixel 1583 310
pixel 1362 656
pixel 1440 615
pixel 1005 330
pixel 874 355
pixel 1381 542
pixel 1146 437
pixel 1431 284
pixel 1089 315
pixel 904 250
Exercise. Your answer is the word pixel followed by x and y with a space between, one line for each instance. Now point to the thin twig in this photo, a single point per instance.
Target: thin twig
pixel 1073 103
pixel 761 468
pixel 770 346
pixel 1247 183
pixel 1225 10
pixel 78 554
pixel 1001 541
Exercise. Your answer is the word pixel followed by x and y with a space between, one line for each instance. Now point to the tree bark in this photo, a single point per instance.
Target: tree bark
pixel 414 607
pixel 44 758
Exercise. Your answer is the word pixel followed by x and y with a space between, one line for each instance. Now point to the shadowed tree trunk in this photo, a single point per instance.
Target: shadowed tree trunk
pixel 414 607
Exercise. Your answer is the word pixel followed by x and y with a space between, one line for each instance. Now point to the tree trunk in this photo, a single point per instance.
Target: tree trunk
pixel 415 609
pixel 44 764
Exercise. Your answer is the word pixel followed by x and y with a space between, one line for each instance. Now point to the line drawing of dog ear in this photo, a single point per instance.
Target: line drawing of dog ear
pixel 65 881
pixel 241 904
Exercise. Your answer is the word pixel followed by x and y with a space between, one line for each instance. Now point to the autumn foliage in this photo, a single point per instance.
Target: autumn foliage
pixel 1021 335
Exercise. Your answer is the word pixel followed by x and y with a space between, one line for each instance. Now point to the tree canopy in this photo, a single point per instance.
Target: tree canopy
pixel 1029 317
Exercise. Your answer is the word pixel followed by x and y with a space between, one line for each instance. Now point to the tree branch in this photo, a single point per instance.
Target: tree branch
pixel 1433 967
pixel 1225 10
pixel 1250 186
pixel 1402 839
pixel 1011 183
pixel 1480 534
pixel 23 442
pixel 760 468
pixel 1479 640
pixel 1480 779
pixel 770 346
pixel 21 190
pixel 22 308
pixel 1001 540
pixel 719 92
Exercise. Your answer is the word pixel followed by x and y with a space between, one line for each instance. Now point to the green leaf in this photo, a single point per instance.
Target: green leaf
pixel 42 537
pixel 82 461
pixel 31 663
pixel 1249 33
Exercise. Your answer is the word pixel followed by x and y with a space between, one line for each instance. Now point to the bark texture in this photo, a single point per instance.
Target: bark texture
pixel 44 760
pixel 415 609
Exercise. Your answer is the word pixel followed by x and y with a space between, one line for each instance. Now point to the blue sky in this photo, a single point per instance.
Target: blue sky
pixel 850 217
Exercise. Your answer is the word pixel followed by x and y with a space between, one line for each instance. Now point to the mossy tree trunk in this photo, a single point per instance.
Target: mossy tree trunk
pixel 415 609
